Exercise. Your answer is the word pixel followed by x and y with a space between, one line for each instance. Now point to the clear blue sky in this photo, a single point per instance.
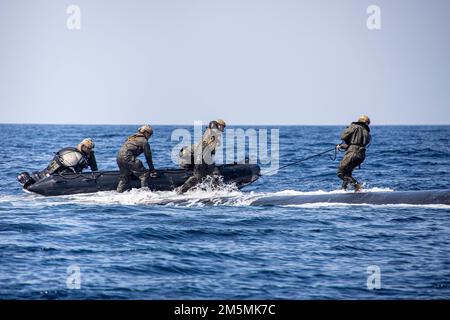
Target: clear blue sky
pixel 247 61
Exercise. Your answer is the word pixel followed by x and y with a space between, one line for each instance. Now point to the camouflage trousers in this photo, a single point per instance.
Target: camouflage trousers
pixel 350 161
pixel 129 167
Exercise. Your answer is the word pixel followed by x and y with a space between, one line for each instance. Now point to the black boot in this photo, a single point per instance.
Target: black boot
pixel 189 184
pixel 144 179
pixel 122 186
pixel 357 187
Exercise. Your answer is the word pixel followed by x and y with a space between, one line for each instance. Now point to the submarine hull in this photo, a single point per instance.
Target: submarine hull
pixel 421 197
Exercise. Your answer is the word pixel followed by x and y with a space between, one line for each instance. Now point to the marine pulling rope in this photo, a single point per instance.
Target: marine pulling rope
pixel 333 157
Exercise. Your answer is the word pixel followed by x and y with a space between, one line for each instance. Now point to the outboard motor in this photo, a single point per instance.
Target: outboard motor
pixel 25 179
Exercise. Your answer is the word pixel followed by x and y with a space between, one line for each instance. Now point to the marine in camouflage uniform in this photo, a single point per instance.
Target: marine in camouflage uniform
pixel 127 160
pixel 72 160
pixel 356 137
pixel 203 155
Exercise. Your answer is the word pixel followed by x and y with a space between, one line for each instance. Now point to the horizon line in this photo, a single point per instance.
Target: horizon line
pixel 237 124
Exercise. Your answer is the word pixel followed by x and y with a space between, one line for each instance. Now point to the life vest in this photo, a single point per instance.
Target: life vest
pixel 68 158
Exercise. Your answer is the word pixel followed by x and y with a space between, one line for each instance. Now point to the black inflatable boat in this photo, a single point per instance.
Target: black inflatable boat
pixel 167 179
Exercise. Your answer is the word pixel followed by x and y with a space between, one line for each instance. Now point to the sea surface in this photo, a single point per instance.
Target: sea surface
pixel 157 245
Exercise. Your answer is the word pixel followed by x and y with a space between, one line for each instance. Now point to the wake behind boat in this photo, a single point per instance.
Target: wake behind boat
pixel 166 180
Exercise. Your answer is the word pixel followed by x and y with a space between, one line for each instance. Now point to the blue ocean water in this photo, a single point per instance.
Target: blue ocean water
pixel 132 246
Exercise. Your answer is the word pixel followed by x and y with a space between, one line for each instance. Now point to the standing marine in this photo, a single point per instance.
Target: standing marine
pixel 203 155
pixel 355 139
pixel 128 163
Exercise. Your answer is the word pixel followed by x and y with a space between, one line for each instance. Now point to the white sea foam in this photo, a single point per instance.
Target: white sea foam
pixel 205 192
